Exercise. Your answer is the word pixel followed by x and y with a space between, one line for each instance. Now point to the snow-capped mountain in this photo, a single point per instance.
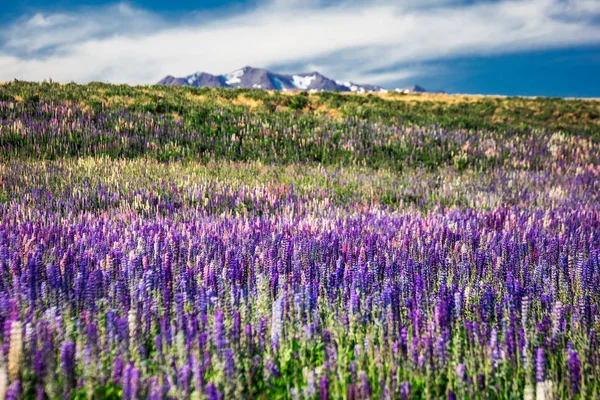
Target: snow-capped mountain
pixel 259 78
pixel 411 89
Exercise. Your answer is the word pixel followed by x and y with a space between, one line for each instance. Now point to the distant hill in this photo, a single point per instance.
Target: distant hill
pixel 259 78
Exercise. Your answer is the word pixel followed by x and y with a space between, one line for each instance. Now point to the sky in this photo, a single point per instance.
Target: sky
pixel 512 47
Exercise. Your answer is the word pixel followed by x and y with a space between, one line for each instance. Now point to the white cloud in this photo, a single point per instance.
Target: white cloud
pixel 345 40
pixel 42 21
pixel 55 32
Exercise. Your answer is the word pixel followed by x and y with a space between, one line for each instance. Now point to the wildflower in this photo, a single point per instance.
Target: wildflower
pixel 134 385
pixel 540 364
pixel 351 392
pixel 156 391
pixel 365 387
pixel 127 380
pixel 529 392
pixel 405 390
pixel 557 318
pixel 276 320
pixel 219 331
pixel 574 367
pixel 67 363
pixel 229 367
pixel 212 392
pixel 461 372
pixel 324 388
pixel 117 371
pixel 525 305
pixel 15 352
pixel 311 384
pixel 198 372
pixel 3 382
pixel 13 391
pixel 543 390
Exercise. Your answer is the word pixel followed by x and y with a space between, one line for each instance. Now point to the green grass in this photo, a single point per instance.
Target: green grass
pixel 501 114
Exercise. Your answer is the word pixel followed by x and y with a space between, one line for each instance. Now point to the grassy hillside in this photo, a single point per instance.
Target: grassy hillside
pixel 397 132
pixel 447 111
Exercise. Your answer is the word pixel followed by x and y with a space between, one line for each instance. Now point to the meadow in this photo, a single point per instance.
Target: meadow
pixel 218 244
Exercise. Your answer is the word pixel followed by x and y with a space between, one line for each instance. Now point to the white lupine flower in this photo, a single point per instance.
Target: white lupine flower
pixel 15 352
pixel 276 322
pixel 28 332
pixel 132 321
pixel 3 382
pixel 311 384
pixel 529 392
pixel 543 390
pixel 556 318
pixel 458 304
pixel 525 305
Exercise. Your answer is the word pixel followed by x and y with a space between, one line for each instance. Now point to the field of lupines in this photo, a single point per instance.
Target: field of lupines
pixel 230 253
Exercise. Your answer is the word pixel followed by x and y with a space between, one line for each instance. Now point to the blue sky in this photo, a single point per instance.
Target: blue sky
pixel 513 47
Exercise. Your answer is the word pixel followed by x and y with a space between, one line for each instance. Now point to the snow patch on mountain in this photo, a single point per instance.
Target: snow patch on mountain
pixel 303 82
pixel 190 79
pixel 234 77
pixel 411 89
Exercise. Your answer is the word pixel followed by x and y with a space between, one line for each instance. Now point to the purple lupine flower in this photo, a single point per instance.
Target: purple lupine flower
pixel 260 333
pixel 404 339
pixel 156 391
pixel 249 337
pixel 118 371
pixel 271 368
pixel 13 391
pixel 67 363
pixel 123 329
pixel 324 388
pixel 202 339
pixel 405 390
pixel 212 392
pixel 236 328
pixel 540 364
pixel 198 372
pixel 480 381
pixel 134 385
pixel 353 368
pixel 158 343
pixel 180 304
pixel 351 392
pixel 127 381
pixel 574 367
pixel 167 383
pixel 39 364
pixel 219 331
pixel 229 367
pixel 365 387
pixel 40 394
pixel 461 372
pixel 184 377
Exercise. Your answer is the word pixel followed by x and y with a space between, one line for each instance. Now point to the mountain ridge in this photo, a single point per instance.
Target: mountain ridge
pixel 259 78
